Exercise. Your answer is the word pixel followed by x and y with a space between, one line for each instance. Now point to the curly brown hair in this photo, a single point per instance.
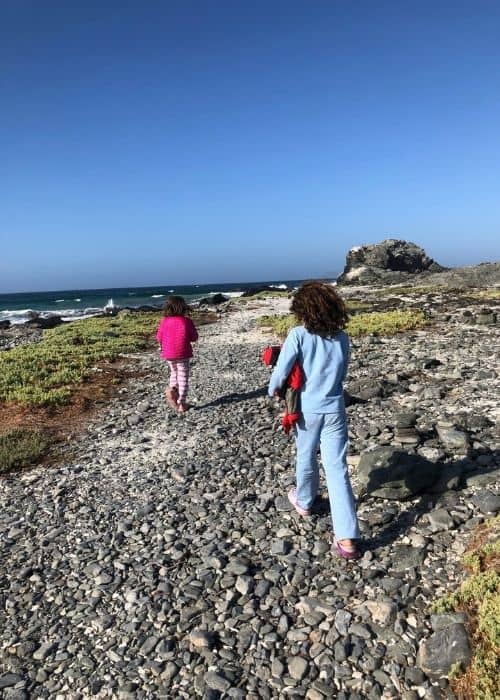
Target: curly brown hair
pixel 320 308
pixel 175 306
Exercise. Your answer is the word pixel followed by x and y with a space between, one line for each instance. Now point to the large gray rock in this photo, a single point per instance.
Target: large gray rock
pixel 445 648
pixel 387 472
pixel 390 261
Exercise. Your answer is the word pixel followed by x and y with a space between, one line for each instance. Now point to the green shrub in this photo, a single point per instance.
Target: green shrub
pixel 479 596
pixel 46 373
pixel 280 324
pixel 375 322
pixel 385 322
pixel 21 447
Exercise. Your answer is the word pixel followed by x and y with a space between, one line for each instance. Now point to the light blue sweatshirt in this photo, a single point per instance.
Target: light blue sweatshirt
pixel 324 364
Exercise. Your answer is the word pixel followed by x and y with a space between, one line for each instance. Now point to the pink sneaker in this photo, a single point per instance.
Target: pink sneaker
pixel 292 497
pixel 345 553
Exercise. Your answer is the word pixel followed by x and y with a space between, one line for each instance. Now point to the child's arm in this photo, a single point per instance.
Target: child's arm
pixel 286 360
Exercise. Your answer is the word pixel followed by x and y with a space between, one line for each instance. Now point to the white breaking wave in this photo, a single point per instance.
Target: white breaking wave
pixel 58 301
pixel 157 296
pixel 23 315
pixel 278 286
pixel 78 314
pixel 228 294
pixel 19 316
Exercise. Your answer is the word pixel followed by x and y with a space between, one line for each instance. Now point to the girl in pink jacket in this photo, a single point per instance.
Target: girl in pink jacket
pixel 175 334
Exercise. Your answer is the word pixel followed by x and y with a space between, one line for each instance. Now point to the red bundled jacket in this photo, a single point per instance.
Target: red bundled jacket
pixel 290 390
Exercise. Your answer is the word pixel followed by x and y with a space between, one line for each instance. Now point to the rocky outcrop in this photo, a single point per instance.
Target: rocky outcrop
pixel 388 262
pixel 482 275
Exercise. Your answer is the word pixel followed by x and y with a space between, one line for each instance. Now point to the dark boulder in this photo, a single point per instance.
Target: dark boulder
pixel 45 322
pixel 4 325
pixel 213 300
pixel 446 648
pixel 145 307
pixel 388 472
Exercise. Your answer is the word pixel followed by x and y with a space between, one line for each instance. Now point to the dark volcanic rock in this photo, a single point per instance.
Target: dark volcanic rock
pixel 213 300
pixel 387 472
pixel 45 322
pixel 444 649
pixel 386 262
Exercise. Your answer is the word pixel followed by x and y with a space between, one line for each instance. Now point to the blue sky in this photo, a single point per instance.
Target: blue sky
pixel 214 141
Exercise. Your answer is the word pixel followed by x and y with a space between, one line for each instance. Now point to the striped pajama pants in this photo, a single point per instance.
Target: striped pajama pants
pixel 179 377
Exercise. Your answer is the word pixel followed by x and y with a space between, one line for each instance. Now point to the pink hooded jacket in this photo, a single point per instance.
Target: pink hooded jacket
pixel 175 334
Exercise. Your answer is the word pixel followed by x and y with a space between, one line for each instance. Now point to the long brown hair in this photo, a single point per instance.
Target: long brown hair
pixel 175 306
pixel 320 308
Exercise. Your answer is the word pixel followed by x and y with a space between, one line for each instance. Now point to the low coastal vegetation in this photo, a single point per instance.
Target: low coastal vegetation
pixel 75 363
pixel 21 447
pixel 479 597
pixel 375 323
pixel 45 373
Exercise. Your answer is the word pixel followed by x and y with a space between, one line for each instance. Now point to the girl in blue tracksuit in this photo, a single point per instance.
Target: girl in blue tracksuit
pixel 321 348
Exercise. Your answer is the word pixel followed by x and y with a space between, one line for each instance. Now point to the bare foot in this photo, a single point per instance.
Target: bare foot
pixel 182 407
pixel 172 395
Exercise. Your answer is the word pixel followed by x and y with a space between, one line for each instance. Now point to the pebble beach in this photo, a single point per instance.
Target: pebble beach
pixel 162 559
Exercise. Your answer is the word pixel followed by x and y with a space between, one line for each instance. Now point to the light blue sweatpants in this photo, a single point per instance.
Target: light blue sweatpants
pixel 329 431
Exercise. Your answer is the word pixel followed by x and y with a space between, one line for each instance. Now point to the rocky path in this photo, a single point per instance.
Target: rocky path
pixel 162 559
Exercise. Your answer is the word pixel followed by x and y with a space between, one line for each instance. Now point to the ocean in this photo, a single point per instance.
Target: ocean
pixel 71 304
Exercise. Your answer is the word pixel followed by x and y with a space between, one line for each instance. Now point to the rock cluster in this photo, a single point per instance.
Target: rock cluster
pixel 161 559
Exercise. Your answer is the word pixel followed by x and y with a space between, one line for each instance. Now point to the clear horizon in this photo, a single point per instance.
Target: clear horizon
pixel 206 283
pixel 156 286
pixel 187 140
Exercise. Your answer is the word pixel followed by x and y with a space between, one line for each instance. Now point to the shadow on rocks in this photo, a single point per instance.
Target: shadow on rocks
pixel 234 398
pixel 433 497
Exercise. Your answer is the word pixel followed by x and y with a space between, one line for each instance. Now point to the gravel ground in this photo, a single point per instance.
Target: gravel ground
pixel 162 560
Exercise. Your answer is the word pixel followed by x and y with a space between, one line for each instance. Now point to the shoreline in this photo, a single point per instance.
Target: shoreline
pixel 90 303
pixel 163 548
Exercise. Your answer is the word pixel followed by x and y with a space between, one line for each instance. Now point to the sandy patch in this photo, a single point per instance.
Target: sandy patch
pixel 239 326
